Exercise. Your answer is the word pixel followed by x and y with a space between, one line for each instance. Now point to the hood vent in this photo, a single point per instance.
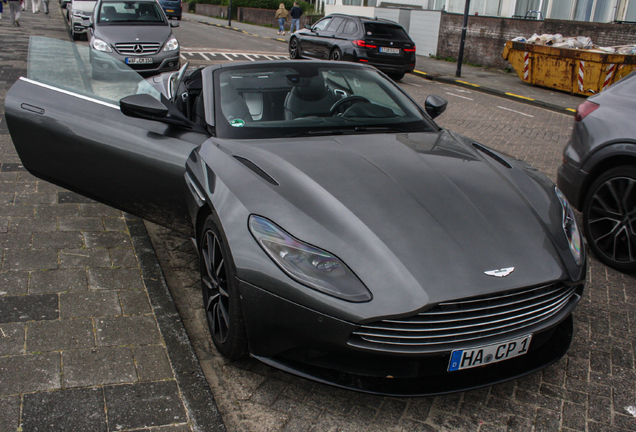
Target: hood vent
pixel 252 166
pixel 492 154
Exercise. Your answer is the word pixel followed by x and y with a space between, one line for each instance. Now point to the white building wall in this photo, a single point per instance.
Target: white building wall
pixel 388 13
pixel 350 10
pixel 424 30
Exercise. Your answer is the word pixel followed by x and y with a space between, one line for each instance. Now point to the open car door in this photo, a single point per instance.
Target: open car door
pixel 69 129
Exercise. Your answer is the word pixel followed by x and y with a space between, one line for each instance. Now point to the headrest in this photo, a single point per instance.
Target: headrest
pixel 313 88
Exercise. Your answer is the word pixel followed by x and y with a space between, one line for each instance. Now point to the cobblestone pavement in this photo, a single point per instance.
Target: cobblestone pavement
pixel 591 389
pixel 81 346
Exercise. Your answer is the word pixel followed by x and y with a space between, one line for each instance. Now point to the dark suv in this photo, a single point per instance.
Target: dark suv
pixel 378 42
pixel 598 174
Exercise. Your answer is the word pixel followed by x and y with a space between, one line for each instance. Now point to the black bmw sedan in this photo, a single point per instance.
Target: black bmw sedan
pixel 378 42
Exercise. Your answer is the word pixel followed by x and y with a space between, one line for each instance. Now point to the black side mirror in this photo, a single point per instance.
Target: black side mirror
pixel 435 105
pixel 143 106
pixel 174 23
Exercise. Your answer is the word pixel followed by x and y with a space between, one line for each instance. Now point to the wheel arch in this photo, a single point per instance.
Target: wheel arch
pixel 609 157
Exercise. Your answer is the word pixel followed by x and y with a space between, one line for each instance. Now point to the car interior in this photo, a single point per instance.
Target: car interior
pixel 281 95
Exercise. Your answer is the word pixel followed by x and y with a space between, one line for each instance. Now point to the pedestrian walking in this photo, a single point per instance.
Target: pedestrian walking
pixel 295 14
pixel 1 2
pixel 45 3
pixel 14 8
pixel 281 16
pixel 35 4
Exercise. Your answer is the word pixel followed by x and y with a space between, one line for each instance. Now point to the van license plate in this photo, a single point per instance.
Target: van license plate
pixel 475 357
pixel 138 60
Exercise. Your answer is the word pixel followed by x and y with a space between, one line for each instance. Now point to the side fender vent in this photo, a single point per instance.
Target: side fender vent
pixel 492 154
pixel 252 166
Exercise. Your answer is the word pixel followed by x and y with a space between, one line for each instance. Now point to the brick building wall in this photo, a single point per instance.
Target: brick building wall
pixel 486 36
pixel 211 10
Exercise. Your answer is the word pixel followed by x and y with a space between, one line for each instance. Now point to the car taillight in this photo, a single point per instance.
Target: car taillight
pixel 362 44
pixel 584 109
pixel 409 49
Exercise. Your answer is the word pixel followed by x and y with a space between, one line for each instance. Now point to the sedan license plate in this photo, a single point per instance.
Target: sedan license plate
pixel 475 357
pixel 138 60
pixel 390 50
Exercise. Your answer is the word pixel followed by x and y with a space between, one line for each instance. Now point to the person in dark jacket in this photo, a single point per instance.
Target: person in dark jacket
pixel 295 14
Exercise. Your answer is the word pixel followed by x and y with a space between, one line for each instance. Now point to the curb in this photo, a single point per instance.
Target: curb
pixel 437 78
pixel 195 391
pixel 502 94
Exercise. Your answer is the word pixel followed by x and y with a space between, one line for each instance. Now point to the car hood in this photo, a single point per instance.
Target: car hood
pixel 423 215
pixel 133 33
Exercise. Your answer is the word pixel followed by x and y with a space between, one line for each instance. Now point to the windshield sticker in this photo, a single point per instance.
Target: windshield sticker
pixel 237 123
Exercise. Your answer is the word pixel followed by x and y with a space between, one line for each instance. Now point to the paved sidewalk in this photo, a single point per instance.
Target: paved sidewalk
pixel 493 81
pixel 90 339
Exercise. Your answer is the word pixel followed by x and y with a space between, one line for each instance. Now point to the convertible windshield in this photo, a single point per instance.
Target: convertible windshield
pixel 67 66
pixel 309 99
pixel 130 12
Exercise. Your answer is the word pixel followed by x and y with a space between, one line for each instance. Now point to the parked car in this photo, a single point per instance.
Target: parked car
pixel 343 235
pixel 598 173
pixel 135 33
pixel 80 16
pixel 172 8
pixel 377 42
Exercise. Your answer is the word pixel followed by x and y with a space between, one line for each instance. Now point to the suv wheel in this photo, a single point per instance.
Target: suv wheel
pixel 609 218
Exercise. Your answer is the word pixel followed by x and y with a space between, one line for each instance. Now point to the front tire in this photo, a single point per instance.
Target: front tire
pixel 221 300
pixel 294 49
pixel 609 218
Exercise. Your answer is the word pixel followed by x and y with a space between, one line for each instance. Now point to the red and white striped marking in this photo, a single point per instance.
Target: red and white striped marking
pixel 610 73
pixel 526 66
pixel 581 74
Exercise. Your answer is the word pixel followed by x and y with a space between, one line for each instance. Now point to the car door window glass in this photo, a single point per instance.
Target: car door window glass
pixel 322 24
pixel 67 66
pixel 335 23
pixel 350 27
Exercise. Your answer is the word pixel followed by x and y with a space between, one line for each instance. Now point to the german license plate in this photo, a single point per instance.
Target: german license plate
pixel 475 357
pixel 169 10
pixel 138 60
pixel 390 50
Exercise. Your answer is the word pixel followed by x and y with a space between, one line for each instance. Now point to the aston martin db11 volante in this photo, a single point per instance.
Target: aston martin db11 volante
pixel 343 235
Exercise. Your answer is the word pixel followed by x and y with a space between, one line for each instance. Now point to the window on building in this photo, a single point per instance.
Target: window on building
pixel 631 12
pixel 524 6
pixel 562 10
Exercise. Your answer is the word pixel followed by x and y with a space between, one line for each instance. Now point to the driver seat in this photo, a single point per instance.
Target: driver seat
pixel 312 97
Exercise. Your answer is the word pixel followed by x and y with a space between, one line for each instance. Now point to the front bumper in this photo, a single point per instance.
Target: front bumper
pixel 108 63
pixel 570 181
pixel 312 345
pixel 80 24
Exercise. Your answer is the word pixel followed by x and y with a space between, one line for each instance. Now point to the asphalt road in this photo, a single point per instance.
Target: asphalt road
pixel 593 388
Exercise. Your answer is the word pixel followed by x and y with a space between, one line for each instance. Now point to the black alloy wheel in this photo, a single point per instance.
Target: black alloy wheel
pixel 336 54
pixel 220 294
pixel 609 218
pixel 294 49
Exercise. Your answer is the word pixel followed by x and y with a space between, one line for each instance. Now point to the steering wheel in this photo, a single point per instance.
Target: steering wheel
pixel 347 100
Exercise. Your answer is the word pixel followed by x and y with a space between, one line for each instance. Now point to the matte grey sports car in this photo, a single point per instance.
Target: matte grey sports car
pixel 343 235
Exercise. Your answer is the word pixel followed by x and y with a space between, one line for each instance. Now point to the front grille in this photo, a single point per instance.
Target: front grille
pixel 145 48
pixel 466 322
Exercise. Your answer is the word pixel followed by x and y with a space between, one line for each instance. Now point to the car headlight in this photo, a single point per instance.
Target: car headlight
pixel 100 45
pixel 171 45
pixel 571 228
pixel 77 13
pixel 313 267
